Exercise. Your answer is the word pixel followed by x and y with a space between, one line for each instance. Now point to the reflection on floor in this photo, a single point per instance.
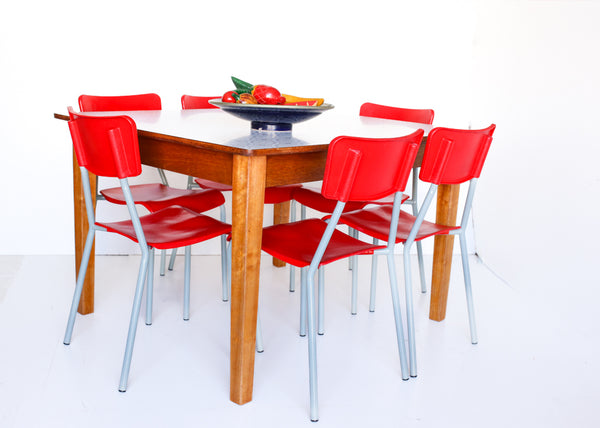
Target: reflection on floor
pixel 536 364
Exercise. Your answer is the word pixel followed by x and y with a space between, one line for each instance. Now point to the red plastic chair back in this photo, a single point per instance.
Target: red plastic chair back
pixel 366 169
pixel 396 113
pixel 191 102
pixel 119 103
pixel 453 156
pixel 106 146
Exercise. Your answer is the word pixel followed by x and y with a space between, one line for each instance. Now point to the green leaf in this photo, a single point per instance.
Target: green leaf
pixel 241 86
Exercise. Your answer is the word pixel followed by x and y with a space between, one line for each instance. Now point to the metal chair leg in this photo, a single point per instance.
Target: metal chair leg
pixel 292 279
pixel 373 279
pixel 312 348
pixel 354 299
pixel 467 275
pixel 421 267
pixel 397 316
pixel 135 313
pixel 321 304
pixel 259 339
pixel 224 264
pixel 172 260
pixel 292 268
pixel 150 287
pixel 163 261
pixel 351 260
pixel 186 283
pixel 303 273
pixel 410 318
pixel 87 250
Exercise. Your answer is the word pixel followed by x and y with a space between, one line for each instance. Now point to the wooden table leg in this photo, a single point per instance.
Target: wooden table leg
pixel 281 214
pixel 247 220
pixel 86 304
pixel 447 204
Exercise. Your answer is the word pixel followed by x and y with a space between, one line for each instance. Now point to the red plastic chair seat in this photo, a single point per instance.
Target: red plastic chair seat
pixel 279 194
pixel 273 195
pixel 376 221
pixel 389 200
pixel 171 227
pixel 209 184
pixel 157 196
pixel 317 201
pixel 296 243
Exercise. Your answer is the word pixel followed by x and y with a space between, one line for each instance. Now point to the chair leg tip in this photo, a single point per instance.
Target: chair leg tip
pixel 413 376
pixel 321 334
pixel 302 335
pixel 122 390
pixel 314 420
pixel 66 343
pixel 149 323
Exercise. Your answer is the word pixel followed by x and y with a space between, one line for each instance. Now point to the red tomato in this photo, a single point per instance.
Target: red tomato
pixel 267 95
pixel 228 97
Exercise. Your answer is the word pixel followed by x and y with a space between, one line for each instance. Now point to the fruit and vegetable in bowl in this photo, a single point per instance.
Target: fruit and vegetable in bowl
pixel 247 93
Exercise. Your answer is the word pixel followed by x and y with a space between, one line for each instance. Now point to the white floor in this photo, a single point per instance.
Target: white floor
pixel 536 364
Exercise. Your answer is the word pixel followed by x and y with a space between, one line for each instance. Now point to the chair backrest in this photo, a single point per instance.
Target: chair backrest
pixel 366 169
pixel 194 102
pixel 119 102
pixel 397 113
pixel 454 156
pixel 106 145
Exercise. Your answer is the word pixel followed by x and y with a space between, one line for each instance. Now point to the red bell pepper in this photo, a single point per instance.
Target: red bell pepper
pixel 267 95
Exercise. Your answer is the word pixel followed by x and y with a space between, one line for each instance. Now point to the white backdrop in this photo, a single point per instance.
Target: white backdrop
pixel 531 67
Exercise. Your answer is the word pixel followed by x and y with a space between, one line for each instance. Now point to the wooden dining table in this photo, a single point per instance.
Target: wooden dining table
pixel 214 145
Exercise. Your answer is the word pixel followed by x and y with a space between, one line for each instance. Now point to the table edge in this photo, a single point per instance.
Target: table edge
pixel 221 148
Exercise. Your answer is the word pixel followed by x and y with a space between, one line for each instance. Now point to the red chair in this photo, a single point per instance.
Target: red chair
pixel 357 170
pixel 194 102
pixel 123 103
pixel 310 198
pixel 108 146
pixel 397 113
pixel 150 101
pixel 120 102
pixel 452 156
pixel 155 196
pixel 424 116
